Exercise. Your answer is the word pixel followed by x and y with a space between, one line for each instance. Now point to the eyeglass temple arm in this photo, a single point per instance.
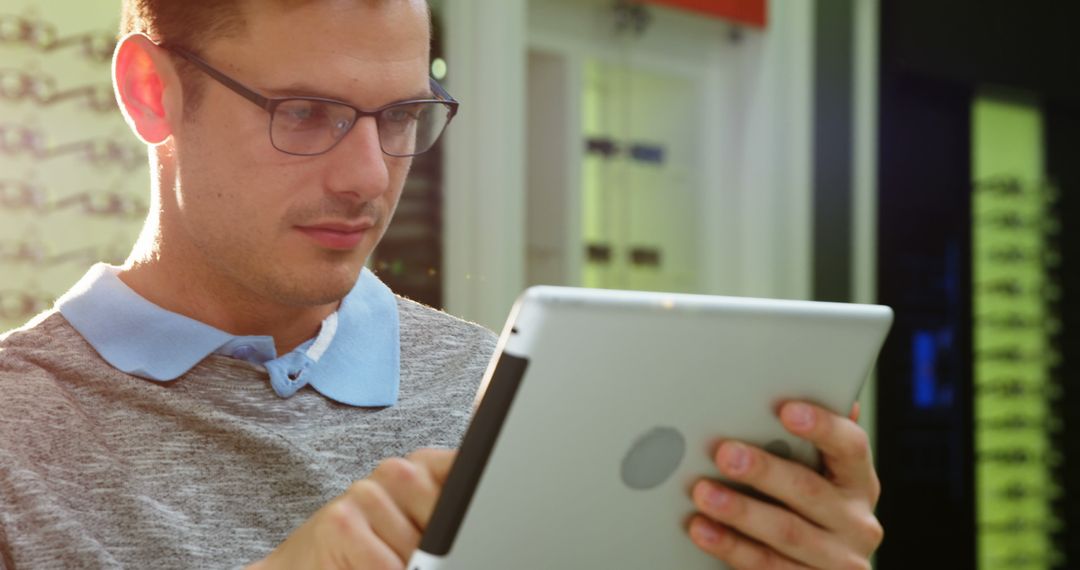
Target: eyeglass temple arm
pixel 441 93
pixel 220 77
pixel 267 103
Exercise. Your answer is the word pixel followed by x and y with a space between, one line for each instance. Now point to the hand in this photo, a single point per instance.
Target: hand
pixel 376 523
pixel 829 519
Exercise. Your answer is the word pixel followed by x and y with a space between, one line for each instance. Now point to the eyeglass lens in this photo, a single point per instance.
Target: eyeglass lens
pixel 311 126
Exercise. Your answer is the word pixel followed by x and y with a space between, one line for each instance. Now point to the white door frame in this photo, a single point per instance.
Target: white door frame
pixel 484 215
pixel 756 217
pixel 864 178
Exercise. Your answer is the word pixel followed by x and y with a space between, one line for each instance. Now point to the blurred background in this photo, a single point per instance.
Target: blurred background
pixel 924 155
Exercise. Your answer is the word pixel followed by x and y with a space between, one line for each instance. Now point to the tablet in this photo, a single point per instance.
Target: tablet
pixel 600 409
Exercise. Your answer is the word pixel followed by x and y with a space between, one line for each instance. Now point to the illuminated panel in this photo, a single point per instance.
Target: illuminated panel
pixel 1014 324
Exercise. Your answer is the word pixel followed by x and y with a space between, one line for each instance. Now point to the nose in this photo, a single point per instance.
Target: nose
pixel 357 164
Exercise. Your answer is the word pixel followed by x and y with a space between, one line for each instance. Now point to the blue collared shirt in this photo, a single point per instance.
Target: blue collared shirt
pixel 354 359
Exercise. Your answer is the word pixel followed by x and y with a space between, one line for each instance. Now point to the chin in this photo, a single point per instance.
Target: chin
pixel 317 286
pixel 332 289
pixel 315 296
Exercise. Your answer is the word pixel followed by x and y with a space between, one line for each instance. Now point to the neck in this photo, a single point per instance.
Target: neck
pixel 226 306
pixel 172 275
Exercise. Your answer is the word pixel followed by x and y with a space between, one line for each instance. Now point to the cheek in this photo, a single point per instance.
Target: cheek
pixel 237 186
pixel 231 141
pixel 399 171
pixel 221 218
pixel 233 203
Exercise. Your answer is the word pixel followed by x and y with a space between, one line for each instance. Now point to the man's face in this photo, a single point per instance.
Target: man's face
pixel 296 230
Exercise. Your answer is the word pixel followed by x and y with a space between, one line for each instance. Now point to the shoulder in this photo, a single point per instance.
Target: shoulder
pixel 43 349
pixel 39 363
pixel 432 336
pixel 422 323
pixel 41 335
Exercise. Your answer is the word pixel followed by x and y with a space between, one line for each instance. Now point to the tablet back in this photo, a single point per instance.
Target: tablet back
pixel 601 408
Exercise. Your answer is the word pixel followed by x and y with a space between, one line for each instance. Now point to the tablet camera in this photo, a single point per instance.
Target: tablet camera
pixel 653 458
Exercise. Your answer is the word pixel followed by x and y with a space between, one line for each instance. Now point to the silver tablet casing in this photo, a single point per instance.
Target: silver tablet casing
pixel 581 374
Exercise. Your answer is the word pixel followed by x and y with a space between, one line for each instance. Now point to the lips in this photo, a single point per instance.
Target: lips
pixel 340 236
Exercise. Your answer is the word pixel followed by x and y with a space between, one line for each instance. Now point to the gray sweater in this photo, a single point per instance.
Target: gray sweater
pixel 99 469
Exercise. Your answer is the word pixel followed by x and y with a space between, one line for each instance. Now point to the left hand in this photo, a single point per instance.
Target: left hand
pixel 829 519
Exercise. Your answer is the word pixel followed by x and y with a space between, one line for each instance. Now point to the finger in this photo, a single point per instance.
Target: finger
pixel 844 445
pixel 411 486
pixel 386 520
pixel 356 544
pixel 794 484
pixel 775 528
pixel 437 461
pixel 856 411
pixel 736 550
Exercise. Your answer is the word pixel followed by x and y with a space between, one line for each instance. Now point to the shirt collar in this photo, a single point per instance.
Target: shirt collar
pixel 354 359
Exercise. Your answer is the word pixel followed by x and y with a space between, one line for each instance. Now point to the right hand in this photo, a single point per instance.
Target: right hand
pixel 376 523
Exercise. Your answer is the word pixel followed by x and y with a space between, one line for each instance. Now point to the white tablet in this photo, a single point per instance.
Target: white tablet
pixel 600 409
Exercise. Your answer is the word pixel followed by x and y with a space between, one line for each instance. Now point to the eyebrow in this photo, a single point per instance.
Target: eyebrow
pixel 304 90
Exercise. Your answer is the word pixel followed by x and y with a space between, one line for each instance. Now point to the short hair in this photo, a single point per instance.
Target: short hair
pixel 191 24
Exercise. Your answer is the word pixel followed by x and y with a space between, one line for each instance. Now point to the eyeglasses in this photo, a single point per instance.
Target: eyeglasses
pixel 308 126
pixel 36 253
pixel 42 36
pixel 18 305
pixel 41 89
pixel 20 195
pixel 16 140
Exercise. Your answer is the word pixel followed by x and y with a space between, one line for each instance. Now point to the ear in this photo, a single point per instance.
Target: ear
pixel 147 88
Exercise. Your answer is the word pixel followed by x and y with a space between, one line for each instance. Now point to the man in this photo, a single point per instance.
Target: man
pixel 209 403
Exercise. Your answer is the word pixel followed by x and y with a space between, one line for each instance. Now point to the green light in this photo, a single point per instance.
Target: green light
pixel 438 69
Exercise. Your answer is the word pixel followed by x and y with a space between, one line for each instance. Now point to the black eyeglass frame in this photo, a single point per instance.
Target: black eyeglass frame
pixel 270 104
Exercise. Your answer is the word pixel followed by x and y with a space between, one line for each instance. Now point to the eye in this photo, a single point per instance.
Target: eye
pixel 402 114
pixel 299 114
pixel 310 113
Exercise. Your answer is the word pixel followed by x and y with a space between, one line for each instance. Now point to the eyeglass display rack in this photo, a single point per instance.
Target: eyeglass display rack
pixel 1017 374
pixel 73 181
pixel 986 472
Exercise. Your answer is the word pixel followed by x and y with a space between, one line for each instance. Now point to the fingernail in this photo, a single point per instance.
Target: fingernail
pixel 801 416
pixel 718 498
pixel 738 459
pixel 705 533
